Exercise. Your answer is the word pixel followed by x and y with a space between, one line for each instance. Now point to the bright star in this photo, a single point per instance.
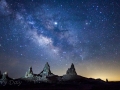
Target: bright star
pixel 55 23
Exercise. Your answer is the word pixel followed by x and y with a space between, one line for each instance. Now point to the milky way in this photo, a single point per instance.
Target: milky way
pixel 61 32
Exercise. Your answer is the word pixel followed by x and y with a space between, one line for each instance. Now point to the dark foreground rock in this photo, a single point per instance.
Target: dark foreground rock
pixel 65 86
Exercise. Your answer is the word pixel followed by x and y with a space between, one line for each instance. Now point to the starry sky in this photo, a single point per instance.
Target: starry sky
pixel 60 32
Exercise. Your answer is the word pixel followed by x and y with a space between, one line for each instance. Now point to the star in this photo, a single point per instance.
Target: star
pixel 55 23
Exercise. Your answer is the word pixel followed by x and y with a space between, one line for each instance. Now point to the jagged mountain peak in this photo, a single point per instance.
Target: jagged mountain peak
pixel 46 70
pixel 71 70
pixel 29 73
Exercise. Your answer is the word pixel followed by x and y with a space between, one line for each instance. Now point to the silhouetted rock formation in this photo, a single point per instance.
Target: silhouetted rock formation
pixel 70 74
pixel 71 70
pixel 4 76
pixel 46 74
pixel 46 71
pixel 47 78
pixel 107 80
pixel 29 73
pixel 4 79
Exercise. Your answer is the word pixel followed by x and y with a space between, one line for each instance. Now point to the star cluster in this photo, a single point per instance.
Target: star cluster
pixel 61 32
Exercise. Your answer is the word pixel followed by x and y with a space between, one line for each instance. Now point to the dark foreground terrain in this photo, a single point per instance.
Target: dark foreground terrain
pixel 65 86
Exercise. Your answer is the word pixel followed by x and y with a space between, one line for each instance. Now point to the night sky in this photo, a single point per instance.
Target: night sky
pixel 60 32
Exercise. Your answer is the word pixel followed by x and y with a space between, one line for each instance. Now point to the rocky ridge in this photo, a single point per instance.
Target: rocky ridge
pixel 47 76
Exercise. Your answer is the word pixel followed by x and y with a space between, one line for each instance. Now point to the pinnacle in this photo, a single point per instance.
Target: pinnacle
pixel 71 70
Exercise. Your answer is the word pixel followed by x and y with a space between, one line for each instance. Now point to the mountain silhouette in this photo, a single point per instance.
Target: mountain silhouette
pixel 46 79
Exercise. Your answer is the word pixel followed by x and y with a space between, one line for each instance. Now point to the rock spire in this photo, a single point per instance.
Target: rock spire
pixel 46 70
pixel 29 73
pixel 71 70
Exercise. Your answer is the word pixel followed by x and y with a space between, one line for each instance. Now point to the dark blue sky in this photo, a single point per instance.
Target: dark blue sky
pixel 61 32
